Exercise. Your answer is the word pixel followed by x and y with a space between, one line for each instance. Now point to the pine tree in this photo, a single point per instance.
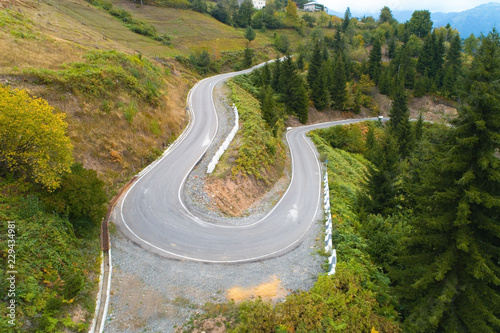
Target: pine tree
pixel 375 61
pixel 275 83
pixel 381 189
pixel 250 34
pixel 371 144
pixel 423 85
pixel 400 126
pixel 338 93
pixel 453 68
pixel 452 276
pixel 392 48
pixel 287 80
pixel 314 65
pixel 299 101
pixel 454 55
pixel 449 80
pixel 244 15
pixel 248 57
pixel 347 19
pixel 319 91
pixel 439 52
pixel 338 42
pixel 265 75
pixel 403 68
pixel 300 61
pixel 288 71
pixel 325 54
pixel 426 56
pixel 268 108
pixel 385 82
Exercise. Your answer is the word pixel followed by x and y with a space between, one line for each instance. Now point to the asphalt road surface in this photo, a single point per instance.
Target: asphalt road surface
pixel 151 213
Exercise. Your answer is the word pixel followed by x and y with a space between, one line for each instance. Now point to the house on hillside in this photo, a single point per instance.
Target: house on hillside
pixel 314 7
pixel 257 4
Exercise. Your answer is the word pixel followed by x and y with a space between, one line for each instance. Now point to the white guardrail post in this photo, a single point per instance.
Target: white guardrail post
pixel 332 260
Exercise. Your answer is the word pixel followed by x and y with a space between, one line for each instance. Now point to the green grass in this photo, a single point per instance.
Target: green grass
pixel 102 74
pixel 130 111
pixel 258 149
pixel 137 26
pixel 18 25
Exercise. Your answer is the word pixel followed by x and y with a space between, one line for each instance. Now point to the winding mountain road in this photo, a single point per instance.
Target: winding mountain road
pixel 153 215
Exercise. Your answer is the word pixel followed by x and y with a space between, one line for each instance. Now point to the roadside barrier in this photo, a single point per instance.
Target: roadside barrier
pixel 226 143
pixel 332 259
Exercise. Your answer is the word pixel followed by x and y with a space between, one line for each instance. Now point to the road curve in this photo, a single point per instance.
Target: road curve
pixel 153 215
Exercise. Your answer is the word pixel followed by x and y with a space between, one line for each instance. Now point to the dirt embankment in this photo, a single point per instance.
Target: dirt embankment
pixel 233 195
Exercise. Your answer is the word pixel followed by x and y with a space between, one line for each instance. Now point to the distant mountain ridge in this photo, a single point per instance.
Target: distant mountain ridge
pixel 477 20
pixel 480 19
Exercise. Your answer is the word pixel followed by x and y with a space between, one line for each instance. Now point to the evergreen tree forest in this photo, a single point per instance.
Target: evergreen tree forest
pixel 344 66
pixel 430 207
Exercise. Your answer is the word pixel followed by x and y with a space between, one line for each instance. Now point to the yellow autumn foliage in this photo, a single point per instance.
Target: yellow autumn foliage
pixel 33 138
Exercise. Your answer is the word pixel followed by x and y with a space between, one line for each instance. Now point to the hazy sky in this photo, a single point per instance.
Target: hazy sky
pixel 374 6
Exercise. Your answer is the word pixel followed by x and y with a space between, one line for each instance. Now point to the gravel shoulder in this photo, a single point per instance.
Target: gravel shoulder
pixel 150 293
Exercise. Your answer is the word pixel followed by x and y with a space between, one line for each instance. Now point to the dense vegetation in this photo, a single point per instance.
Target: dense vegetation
pixel 56 207
pixel 259 150
pixel 102 74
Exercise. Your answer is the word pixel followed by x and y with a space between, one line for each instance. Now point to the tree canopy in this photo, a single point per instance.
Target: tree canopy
pixel 34 138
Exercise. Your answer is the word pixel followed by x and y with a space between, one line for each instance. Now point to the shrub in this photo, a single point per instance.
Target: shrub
pixel 104 73
pixel 34 139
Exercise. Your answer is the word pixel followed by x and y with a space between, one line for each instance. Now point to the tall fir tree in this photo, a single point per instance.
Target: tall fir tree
pixel 299 101
pixel 300 61
pixel 338 93
pixel 453 68
pixel 403 68
pixel 399 124
pixel 325 53
pixel 439 53
pixel 347 19
pixel 381 188
pixel 391 52
pixel 338 42
pixel 452 273
pixel 314 65
pixel 275 82
pixel 448 87
pixel 288 72
pixel 268 108
pixel 385 81
pixel 265 75
pixel 319 91
pixel 375 61
pixel 419 127
pixel 426 56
